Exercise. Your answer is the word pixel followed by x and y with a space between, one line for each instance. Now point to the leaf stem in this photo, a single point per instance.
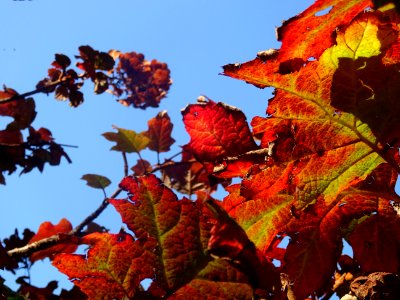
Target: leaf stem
pixel 126 166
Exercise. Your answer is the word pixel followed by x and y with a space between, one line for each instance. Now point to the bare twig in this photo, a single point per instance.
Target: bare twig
pixel 57 238
pixel 126 166
pixel 38 245
pixel 36 91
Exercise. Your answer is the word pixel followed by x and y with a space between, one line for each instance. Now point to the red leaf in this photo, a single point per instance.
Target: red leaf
pixel 153 210
pixel 159 133
pixel 113 268
pixel 376 240
pixel 142 167
pixel 217 131
pixel 47 229
pixel 22 110
pixel 335 133
pixel 306 29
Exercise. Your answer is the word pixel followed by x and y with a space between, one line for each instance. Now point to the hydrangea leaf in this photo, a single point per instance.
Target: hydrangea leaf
pixel 47 229
pixel 96 181
pixel 305 30
pixel 127 140
pixel 159 132
pixel 334 127
pixel 217 130
pixel 113 268
pixel 154 210
pixel 182 231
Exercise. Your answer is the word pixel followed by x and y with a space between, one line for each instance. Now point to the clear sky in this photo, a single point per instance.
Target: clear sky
pixel 195 38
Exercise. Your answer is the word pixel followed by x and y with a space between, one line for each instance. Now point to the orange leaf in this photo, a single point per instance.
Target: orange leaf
pixel 46 230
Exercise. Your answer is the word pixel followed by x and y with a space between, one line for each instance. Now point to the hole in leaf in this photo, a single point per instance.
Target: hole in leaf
pixel 146 283
pixel 347 249
pixel 276 262
pixel 5 120
pixel 323 11
pixel 311 58
pixel 285 241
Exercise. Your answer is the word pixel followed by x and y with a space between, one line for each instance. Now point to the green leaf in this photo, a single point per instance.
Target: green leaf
pixel 96 181
pixel 127 140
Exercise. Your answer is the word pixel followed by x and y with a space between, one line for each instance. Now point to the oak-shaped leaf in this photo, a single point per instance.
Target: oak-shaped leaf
pixel 334 124
pixel 159 132
pixel 113 268
pixel 216 131
pixel 46 230
pixel 181 229
pixel 96 181
pixel 127 140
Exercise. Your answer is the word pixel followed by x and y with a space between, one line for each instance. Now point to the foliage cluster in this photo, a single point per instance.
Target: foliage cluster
pixel 319 168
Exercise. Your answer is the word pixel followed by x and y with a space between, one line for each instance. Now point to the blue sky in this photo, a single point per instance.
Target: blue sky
pixel 195 38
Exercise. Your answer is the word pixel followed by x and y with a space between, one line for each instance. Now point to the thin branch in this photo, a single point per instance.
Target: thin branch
pixel 95 214
pixel 173 163
pixel 126 166
pixel 38 245
pixel 36 91
pixel 57 238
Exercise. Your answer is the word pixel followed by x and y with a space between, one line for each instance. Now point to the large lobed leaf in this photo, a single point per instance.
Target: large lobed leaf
pixel 334 130
pixel 169 247
pixel 114 267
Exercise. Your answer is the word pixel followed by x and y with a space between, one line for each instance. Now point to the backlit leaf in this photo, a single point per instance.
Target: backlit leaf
pixel 113 268
pixel 170 249
pixel 47 229
pixel 333 123
pixel 96 181
pixel 216 131
pixel 159 132
pixel 127 140
pixel 154 210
